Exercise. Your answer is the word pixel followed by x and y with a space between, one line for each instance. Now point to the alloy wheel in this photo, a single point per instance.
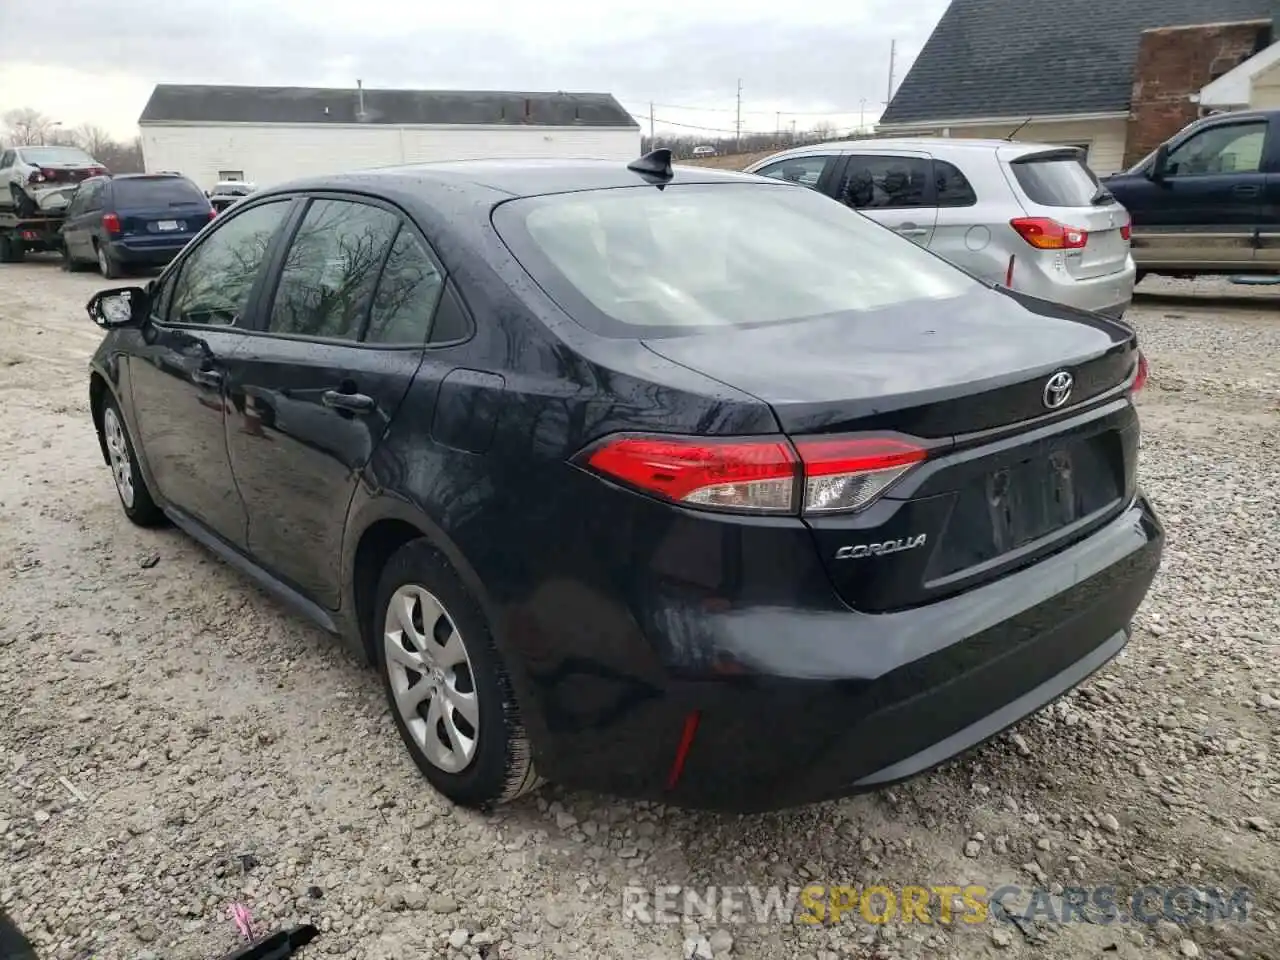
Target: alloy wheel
pixel 104 266
pixel 118 453
pixel 431 678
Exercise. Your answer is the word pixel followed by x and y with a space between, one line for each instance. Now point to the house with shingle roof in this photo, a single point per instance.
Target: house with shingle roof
pixel 1116 77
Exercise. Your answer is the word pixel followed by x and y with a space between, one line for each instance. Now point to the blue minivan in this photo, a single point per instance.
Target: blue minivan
pixel 132 220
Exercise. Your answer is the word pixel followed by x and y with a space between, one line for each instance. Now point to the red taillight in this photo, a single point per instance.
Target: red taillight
pixel 35 176
pixel 847 474
pixel 1140 378
pixel 758 474
pixel 1046 234
pixel 111 223
pixel 1126 232
pixel 49 174
pixel 212 213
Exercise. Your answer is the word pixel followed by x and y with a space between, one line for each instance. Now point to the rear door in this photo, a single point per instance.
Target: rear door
pixel 1211 201
pixel 1058 185
pixel 894 188
pixel 315 389
pixel 957 213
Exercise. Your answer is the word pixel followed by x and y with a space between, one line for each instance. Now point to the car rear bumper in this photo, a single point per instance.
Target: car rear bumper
pixel 777 706
pixel 147 252
pixel 1109 295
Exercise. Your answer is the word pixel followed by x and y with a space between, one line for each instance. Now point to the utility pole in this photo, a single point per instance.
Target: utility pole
pixel 652 142
pixel 777 126
pixel 893 52
pixel 793 130
pixel 737 125
pixel 862 115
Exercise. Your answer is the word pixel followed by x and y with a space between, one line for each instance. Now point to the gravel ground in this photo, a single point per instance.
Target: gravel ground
pixel 172 740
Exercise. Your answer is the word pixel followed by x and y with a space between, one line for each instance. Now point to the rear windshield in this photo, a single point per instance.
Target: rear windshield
pixel 161 191
pixel 55 155
pixel 1063 182
pixel 648 262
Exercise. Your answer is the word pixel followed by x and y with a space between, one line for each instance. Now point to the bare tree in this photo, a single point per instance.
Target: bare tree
pixel 93 140
pixel 25 126
pixel 824 130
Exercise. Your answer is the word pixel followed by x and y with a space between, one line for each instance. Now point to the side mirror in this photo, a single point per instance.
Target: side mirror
pixel 1160 162
pixel 119 307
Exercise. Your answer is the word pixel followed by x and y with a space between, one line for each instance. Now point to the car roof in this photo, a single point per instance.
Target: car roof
pixel 933 145
pixel 512 178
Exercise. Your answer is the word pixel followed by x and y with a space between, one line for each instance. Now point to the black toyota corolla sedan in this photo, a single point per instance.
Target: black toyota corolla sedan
pixel 672 483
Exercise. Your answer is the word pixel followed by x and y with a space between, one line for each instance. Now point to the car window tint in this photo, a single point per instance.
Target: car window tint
pixel 804 170
pixel 407 293
pixel 951 187
pixel 215 281
pixel 331 268
pixel 93 195
pixel 693 257
pixel 1236 148
pixel 156 192
pixel 884 182
pixel 1056 182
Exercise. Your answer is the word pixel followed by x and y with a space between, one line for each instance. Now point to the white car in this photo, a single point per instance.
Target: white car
pixel 227 192
pixel 704 151
pixel 36 180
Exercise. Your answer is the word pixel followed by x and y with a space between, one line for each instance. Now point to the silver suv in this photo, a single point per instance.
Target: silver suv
pixel 1032 217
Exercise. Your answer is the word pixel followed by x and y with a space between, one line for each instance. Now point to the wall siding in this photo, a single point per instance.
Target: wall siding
pixel 1264 92
pixel 274 154
pixel 1106 138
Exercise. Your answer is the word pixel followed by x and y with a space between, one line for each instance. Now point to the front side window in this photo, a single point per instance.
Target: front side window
pixel 330 271
pixel 874 182
pixel 803 170
pixel 92 195
pixel 407 294
pixel 646 262
pixel 216 280
pixel 1234 148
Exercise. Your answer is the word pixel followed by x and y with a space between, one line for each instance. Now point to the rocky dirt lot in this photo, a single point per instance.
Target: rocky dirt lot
pixel 172 740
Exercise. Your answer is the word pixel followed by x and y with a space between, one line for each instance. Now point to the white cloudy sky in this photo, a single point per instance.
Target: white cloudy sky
pixel 84 61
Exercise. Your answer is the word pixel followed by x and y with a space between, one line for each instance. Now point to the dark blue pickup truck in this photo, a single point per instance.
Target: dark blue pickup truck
pixel 1208 200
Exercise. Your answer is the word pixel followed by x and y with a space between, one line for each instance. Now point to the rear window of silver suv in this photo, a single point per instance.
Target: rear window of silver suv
pixel 1056 181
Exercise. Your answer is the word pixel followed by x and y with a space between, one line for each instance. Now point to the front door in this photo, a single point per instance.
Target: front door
pixel 895 189
pixel 178 382
pixel 319 383
pixel 1209 203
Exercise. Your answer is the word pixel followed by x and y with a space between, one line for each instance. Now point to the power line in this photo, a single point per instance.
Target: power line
pixel 754 113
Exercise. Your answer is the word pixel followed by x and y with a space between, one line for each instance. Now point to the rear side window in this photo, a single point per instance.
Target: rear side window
pixel 951 186
pixel 155 191
pixel 641 262
pixel 330 271
pixel 885 182
pixel 407 294
pixel 1056 181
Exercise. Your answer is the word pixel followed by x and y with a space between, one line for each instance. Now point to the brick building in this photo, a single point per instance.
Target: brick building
pixel 1116 77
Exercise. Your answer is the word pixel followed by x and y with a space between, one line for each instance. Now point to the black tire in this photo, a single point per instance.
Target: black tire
pixel 11 249
pixel 70 264
pixel 501 767
pixel 23 206
pixel 107 264
pixel 140 507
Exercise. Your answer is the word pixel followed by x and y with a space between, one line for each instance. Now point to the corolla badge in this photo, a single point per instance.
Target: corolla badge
pixel 1057 389
pixel 858 551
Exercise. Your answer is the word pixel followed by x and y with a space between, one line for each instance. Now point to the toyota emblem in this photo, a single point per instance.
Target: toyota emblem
pixel 1057 390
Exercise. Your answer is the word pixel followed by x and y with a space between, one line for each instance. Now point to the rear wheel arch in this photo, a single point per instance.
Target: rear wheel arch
pixel 377 543
pixel 98 393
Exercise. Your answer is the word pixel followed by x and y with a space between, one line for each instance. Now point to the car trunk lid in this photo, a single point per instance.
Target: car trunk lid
pixel 1007 477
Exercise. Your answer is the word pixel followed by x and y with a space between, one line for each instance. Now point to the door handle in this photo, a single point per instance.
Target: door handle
pixel 350 402
pixel 1246 189
pixel 911 230
pixel 207 378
